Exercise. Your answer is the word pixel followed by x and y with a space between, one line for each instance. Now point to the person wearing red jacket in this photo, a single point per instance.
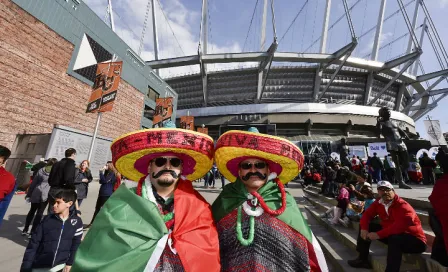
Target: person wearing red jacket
pixel 7 182
pixel 439 215
pixel 400 228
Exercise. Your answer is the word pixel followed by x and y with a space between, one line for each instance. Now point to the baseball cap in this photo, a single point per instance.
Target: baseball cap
pixel 385 183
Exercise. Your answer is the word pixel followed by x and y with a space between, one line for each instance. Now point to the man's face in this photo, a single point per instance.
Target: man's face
pixel 165 171
pixel 253 173
pixel 386 194
pixel 2 161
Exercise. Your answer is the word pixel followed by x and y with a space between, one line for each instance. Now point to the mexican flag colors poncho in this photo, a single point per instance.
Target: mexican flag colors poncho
pixel 129 234
pixel 281 243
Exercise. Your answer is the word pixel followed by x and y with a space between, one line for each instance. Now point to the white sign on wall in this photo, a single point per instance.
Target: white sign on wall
pixel 63 138
pixel 357 150
pixel 435 132
pixel 379 148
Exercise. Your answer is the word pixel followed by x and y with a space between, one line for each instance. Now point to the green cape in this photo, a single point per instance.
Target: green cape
pixel 107 248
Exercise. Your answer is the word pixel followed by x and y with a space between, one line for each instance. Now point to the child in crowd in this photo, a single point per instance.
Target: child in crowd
pixel 339 210
pixel 54 243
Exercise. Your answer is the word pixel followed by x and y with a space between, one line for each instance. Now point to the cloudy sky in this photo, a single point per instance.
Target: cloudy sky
pixel 230 30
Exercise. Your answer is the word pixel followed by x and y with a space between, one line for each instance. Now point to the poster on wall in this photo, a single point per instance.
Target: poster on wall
pixel 105 87
pixel 203 130
pixel 187 122
pixel 379 148
pixel 357 150
pixel 163 111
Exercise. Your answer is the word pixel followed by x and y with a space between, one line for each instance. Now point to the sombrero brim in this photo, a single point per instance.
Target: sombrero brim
pixel 282 156
pixel 132 152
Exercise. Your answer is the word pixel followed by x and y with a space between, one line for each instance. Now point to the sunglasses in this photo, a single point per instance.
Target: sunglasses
pixel 248 165
pixel 161 161
pixel 384 189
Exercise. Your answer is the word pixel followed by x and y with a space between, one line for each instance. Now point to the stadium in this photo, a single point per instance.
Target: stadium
pixel 317 95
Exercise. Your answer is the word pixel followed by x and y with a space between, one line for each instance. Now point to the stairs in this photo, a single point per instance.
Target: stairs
pixel 339 242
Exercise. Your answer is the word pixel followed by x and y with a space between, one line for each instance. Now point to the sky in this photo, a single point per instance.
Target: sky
pixel 235 26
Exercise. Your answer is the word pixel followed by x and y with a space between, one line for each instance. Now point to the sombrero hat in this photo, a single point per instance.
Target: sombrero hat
pixel 283 157
pixel 132 152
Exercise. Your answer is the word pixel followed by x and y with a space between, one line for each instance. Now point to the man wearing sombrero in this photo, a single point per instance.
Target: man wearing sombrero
pixel 260 226
pixel 163 224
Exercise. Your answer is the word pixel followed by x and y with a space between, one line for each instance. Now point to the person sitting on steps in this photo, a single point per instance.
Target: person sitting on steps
pixel 400 228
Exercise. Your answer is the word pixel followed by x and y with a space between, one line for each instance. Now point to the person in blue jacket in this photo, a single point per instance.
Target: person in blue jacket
pixel 108 177
pixel 53 244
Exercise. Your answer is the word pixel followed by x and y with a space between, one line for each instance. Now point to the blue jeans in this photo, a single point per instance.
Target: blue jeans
pixel 376 176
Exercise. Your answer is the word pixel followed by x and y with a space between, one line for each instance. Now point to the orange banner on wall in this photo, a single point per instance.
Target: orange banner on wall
pixel 164 111
pixel 187 122
pixel 105 87
pixel 203 130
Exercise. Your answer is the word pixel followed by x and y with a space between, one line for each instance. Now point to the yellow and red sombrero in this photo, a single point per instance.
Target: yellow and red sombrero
pixel 283 157
pixel 132 152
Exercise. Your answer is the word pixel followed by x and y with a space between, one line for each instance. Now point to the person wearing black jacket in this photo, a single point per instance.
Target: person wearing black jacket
pixel 54 243
pixel 62 175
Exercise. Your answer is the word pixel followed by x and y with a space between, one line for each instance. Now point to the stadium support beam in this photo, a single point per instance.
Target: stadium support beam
pixel 368 91
pixel 417 116
pixel 398 61
pixel 333 76
pixel 420 95
pixel 262 69
pixel 433 92
pixel 323 41
pixel 379 28
pixel 414 22
pixel 202 50
pixel 343 52
pixel 383 90
pixel 415 108
pixel 432 75
pixel 400 97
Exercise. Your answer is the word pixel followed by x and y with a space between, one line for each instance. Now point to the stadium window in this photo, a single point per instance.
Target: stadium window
pixel 149 112
pixel 153 95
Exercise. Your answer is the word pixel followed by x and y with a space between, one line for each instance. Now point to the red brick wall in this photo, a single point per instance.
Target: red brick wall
pixel 35 90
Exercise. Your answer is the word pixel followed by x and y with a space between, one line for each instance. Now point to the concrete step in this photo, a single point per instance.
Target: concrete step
pixel 349 235
pixel 378 253
pixel 421 213
pixel 323 206
pixel 336 253
pixel 416 203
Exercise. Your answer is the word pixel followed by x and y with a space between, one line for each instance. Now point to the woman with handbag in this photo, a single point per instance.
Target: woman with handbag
pixel 83 177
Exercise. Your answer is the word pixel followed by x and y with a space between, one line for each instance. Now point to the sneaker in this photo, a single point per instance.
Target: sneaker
pixel 344 221
pixel 324 215
pixel 358 263
pixel 25 233
pixel 29 235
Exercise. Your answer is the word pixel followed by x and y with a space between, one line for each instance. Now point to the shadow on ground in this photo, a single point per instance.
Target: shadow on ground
pixel 11 229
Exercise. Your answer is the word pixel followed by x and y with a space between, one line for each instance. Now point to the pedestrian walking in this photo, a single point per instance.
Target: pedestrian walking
pixel 37 195
pixel 83 177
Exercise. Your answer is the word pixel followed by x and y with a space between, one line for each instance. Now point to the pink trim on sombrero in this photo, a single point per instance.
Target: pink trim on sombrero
pixel 233 165
pixel 188 163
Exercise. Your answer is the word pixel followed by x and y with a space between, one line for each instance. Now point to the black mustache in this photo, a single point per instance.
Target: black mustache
pixel 258 174
pixel 164 171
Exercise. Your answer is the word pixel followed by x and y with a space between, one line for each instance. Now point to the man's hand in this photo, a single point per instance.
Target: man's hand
pixel 67 268
pixel 364 234
pixel 373 236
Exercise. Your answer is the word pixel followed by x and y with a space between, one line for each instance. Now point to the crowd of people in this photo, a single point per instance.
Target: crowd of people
pixel 387 217
pixel 151 226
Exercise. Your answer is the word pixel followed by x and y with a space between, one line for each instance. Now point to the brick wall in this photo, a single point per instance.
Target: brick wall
pixel 35 90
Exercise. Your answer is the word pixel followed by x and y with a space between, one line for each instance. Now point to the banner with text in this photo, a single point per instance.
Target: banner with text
pixel 434 132
pixel 187 122
pixel 379 148
pixel 203 130
pixel 163 112
pixel 105 87
pixel 357 150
